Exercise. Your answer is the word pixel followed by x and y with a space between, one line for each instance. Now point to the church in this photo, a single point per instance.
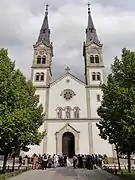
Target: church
pixel 70 105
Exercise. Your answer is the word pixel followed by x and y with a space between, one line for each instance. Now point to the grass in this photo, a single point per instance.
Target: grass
pixel 123 174
pixel 8 174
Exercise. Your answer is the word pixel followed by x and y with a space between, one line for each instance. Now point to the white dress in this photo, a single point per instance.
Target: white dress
pixel 69 164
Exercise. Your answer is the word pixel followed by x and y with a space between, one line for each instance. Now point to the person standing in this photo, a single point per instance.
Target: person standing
pixel 74 161
pixel 34 161
pixel 65 160
pixel 45 161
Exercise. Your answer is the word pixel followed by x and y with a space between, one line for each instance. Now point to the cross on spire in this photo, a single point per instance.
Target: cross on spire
pixel 44 35
pixel 47 5
pixel 89 7
pixel 67 69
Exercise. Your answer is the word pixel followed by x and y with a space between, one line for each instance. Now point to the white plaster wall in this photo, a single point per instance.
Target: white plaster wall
pixel 53 127
pixel 58 101
pixel 39 70
pixel 99 145
pixel 94 104
pixel 51 138
pixel 91 70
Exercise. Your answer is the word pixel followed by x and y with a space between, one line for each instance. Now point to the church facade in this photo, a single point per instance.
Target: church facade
pixel 70 105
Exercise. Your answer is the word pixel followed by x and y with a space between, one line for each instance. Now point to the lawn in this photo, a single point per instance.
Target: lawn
pixel 8 174
pixel 124 174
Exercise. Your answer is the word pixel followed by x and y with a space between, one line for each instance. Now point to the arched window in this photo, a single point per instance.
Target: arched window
pixel 98 76
pixel 37 78
pixel 42 76
pixel 96 59
pixel 68 112
pixel 91 59
pixel 98 97
pixel 76 113
pixel 39 60
pixel 93 76
pixel 44 60
pixel 59 113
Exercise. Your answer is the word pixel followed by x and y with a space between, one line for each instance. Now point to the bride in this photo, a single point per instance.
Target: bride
pixel 69 164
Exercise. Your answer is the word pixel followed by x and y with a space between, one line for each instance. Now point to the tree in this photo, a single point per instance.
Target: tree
pixel 20 112
pixel 118 106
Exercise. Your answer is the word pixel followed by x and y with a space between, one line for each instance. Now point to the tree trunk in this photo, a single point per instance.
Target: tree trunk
pixel 117 151
pixel 13 163
pixel 129 161
pixel 5 161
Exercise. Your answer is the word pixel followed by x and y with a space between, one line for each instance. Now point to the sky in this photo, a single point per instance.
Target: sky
pixel 20 23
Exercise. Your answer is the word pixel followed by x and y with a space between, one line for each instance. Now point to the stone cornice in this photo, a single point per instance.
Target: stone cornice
pixel 41 86
pixel 40 66
pixel 93 86
pixel 95 66
pixel 73 120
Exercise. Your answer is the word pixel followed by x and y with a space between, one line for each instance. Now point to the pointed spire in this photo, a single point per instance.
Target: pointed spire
pixel 44 35
pixel 91 34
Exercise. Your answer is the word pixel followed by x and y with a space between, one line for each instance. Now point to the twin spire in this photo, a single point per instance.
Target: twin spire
pixel 44 35
pixel 91 34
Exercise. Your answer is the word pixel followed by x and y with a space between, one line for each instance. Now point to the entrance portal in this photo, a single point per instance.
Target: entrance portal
pixel 68 144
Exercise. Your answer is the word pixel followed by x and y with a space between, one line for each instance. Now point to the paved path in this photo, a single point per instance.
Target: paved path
pixel 65 174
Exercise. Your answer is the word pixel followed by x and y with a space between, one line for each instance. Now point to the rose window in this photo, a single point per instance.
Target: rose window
pixel 68 94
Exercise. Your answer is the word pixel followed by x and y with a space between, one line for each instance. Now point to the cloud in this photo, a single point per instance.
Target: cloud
pixel 21 21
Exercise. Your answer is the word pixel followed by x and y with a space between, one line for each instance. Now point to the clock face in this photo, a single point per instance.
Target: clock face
pixel 94 50
pixel 41 52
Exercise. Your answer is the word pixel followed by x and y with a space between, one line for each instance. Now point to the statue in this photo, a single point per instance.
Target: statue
pixel 59 113
pixel 76 113
pixel 68 113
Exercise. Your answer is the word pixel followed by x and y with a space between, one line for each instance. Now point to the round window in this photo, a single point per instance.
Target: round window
pixel 68 95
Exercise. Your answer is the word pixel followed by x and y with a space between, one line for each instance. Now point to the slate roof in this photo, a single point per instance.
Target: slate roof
pixel 91 34
pixel 44 35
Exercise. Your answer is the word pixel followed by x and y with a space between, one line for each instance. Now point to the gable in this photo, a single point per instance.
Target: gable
pixel 67 77
pixel 67 128
pixel 67 91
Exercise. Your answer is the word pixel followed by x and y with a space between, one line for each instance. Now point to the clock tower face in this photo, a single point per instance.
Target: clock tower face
pixel 41 52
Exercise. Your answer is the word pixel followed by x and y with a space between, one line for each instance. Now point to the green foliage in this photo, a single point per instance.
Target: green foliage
pixel 9 174
pixel 118 106
pixel 20 112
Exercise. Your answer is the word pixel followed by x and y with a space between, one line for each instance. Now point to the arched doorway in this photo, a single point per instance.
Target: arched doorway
pixel 68 144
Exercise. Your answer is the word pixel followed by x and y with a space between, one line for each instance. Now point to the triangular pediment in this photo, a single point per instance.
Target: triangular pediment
pixel 94 43
pixel 42 43
pixel 67 128
pixel 67 75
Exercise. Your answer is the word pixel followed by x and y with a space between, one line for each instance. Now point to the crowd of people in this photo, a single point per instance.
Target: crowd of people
pixel 44 161
pixel 48 161
pixel 88 161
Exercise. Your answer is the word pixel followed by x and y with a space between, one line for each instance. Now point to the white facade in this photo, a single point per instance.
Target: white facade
pixel 70 104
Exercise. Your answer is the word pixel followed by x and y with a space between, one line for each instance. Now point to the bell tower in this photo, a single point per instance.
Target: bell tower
pixel 42 72
pixel 93 59
pixel 43 53
pixel 92 52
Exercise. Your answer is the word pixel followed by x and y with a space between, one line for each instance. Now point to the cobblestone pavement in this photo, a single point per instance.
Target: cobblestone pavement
pixel 65 174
